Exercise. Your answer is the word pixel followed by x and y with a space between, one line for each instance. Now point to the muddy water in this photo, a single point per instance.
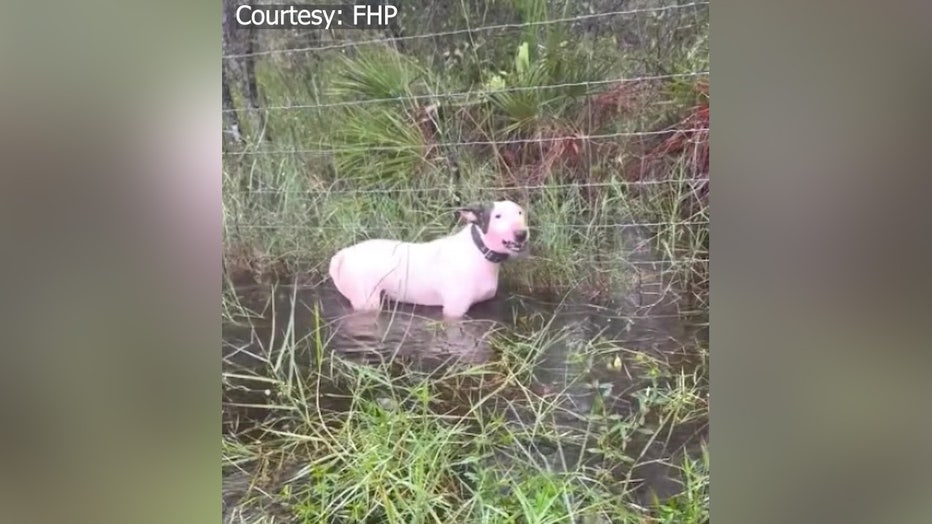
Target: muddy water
pixel 647 319
pixel 644 320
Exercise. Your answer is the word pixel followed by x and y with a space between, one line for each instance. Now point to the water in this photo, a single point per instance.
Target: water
pixel 642 322
pixel 646 324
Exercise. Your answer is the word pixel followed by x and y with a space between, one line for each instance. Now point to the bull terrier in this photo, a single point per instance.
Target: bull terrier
pixel 455 271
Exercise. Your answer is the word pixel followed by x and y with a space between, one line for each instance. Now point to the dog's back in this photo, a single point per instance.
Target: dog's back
pixel 405 271
pixel 359 271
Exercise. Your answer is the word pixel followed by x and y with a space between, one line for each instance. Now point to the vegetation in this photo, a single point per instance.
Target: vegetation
pixel 599 126
pixel 313 435
pixel 367 140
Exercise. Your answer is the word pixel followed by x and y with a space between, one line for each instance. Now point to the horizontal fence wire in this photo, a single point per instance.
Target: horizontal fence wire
pixel 476 93
pixel 470 31
pixel 407 147
pixel 542 226
pixel 481 189
pixel 661 262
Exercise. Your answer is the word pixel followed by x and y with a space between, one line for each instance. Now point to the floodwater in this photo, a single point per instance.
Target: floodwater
pixel 644 319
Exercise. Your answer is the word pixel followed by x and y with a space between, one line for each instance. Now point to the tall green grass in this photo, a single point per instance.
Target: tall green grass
pixel 367 152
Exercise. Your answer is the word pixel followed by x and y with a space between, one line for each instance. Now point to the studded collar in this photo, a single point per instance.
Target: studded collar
pixel 494 257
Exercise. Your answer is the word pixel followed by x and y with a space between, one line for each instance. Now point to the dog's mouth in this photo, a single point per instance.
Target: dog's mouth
pixel 514 245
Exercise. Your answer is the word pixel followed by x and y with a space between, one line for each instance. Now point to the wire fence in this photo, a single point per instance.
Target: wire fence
pixel 479 93
pixel 635 225
pixel 405 147
pixel 690 136
pixel 471 31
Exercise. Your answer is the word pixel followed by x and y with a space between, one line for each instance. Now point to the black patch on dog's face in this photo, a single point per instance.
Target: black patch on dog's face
pixel 479 214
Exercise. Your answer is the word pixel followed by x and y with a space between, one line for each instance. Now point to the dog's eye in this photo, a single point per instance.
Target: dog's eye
pixel 498 215
pixel 520 213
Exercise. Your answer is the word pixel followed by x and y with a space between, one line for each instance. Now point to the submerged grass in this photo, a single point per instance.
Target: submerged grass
pixel 314 435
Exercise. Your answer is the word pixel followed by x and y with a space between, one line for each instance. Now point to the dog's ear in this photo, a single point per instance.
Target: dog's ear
pixel 478 214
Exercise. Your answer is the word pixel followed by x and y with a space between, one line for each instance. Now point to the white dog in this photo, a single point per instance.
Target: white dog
pixel 455 271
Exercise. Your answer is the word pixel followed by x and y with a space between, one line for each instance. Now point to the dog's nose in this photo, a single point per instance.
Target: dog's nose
pixel 521 235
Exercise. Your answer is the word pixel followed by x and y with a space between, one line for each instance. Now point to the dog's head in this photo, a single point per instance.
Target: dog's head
pixel 503 225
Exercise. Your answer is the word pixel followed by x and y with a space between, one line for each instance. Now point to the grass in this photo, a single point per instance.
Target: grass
pixel 580 235
pixel 315 435
pixel 388 141
pixel 371 144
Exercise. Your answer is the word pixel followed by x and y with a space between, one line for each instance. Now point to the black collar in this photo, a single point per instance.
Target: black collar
pixel 494 257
